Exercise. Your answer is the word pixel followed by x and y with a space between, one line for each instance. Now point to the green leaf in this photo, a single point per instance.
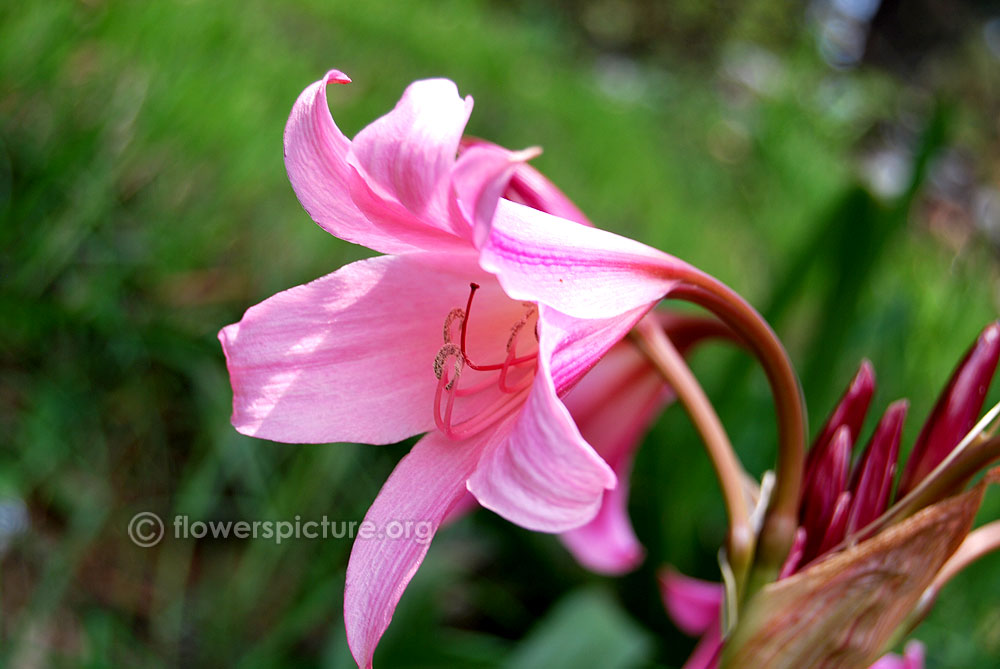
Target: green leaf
pixel 585 629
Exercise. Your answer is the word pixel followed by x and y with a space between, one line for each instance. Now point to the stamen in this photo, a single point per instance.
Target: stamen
pixel 482 420
pixel 444 423
pixel 473 287
pixel 512 357
pixel 490 416
pixel 514 381
pixel 521 323
pixel 442 356
pixel 453 315
pixel 472 390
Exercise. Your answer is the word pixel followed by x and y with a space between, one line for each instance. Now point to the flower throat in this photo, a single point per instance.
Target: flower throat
pixel 512 377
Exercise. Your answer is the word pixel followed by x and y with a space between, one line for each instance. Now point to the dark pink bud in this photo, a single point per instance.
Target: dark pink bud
pixel 957 409
pixel 823 489
pixel 850 411
pixel 836 530
pixel 794 558
pixel 871 482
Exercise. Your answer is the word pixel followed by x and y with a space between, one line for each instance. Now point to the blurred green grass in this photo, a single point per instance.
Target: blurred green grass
pixel 144 205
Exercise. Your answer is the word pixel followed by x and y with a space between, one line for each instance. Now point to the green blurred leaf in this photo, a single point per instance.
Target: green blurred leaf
pixel 585 629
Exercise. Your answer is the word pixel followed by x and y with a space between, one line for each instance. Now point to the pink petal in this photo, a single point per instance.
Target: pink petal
pixel 913 653
pixel 479 180
pixel 708 651
pixel 422 489
pixel 872 479
pixel 545 476
pixel 435 230
pixel 607 544
pixel 956 411
pixel 464 506
pixel 613 406
pixel 574 345
pixel 316 159
pixel 622 384
pixel 349 357
pixel 580 271
pixel 694 605
pixel 850 410
pixel 406 153
pixel 530 187
pixel 913 658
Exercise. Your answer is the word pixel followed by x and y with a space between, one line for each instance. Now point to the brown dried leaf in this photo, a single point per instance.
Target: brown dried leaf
pixel 840 613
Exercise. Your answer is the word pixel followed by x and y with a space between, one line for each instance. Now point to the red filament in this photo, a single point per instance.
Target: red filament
pixel 513 381
pixel 473 287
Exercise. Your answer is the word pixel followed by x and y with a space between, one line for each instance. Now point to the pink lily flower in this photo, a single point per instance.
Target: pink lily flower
pixel 483 315
pixel 839 502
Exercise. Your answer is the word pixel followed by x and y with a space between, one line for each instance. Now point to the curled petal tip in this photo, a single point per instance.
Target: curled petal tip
pixel 336 77
pixel 524 155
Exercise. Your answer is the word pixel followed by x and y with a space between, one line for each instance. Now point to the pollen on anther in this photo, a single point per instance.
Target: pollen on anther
pixel 443 353
pixel 516 328
pixel 513 333
pixel 453 315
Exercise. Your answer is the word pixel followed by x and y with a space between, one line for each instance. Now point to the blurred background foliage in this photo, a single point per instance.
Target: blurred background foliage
pixel 835 161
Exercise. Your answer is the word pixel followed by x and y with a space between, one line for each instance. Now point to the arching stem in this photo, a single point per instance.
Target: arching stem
pixel 661 352
pixel 781 519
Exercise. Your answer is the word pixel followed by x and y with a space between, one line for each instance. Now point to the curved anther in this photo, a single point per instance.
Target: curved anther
pixel 514 381
pixel 453 315
pixel 516 328
pixel 442 356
